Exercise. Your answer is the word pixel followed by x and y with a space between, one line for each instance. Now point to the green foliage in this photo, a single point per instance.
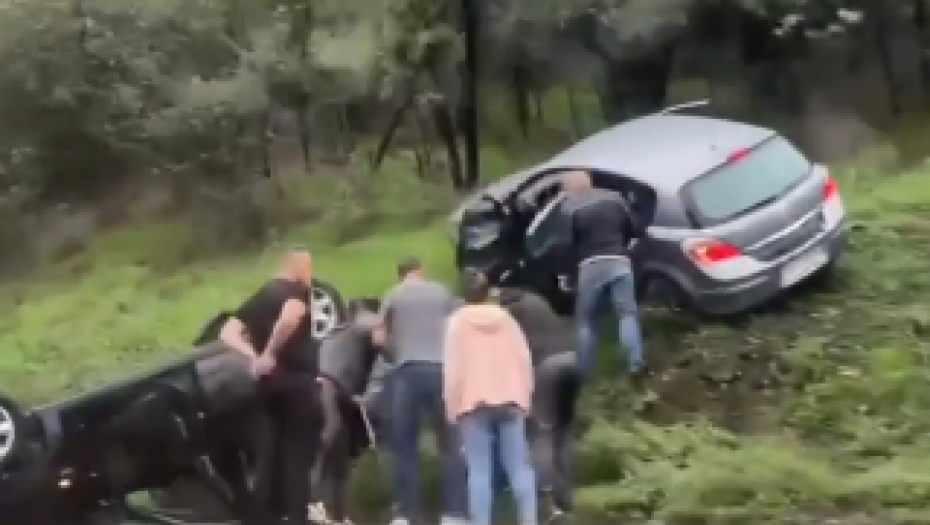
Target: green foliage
pixel 823 416
pixel 813 411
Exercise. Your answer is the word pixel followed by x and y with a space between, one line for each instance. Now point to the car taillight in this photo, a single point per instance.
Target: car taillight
pixel 737 156
pixel 711 251
pixel 830 189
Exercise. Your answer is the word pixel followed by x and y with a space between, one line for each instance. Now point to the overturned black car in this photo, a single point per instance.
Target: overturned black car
pixel 191 435
pixel 75 461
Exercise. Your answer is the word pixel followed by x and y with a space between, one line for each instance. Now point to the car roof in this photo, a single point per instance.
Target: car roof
pixel 664 151
pixel 504 187
pixel 498 191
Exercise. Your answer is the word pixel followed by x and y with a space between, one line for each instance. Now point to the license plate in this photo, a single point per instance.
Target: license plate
pixel 808 263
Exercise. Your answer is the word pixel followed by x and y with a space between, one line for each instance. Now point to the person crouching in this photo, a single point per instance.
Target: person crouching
pixel 487 387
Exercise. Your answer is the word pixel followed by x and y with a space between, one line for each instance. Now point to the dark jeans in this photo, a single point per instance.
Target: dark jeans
pixel 292 404
pixel 416 392
pixel 377 400
pixel 491 434
pixel 558 384
pixel 599 280
pixel 331 471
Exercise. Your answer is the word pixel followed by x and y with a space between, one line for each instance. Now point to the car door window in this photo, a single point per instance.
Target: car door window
pixel 481 224
pixel 549 230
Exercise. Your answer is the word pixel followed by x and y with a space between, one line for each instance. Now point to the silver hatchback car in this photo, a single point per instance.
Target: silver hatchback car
pixel 737 214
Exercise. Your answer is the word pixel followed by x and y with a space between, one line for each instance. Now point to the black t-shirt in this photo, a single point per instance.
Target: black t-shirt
pixel 260 312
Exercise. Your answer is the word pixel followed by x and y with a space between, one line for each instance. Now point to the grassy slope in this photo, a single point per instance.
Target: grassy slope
pixel 821 448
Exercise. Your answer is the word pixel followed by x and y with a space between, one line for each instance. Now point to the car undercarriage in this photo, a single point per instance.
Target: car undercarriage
pixel 76 461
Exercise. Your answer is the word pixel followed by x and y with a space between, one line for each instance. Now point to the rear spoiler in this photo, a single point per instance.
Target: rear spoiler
pixel 685 106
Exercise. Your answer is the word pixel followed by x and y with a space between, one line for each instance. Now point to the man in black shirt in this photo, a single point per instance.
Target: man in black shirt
pixel 273 327
pixel 603 228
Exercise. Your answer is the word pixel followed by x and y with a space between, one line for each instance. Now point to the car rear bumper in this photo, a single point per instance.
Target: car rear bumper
pixel 754 291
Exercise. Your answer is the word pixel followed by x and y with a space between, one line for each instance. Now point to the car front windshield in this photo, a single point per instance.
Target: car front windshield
pixel 759 177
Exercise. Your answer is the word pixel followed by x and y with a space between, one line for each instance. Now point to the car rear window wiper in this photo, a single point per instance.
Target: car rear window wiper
pixel 757 206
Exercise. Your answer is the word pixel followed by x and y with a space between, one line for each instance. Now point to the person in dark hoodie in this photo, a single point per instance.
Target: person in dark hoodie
pixel 347 359
pixel 558 384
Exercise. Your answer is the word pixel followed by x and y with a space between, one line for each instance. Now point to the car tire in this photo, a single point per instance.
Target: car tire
pixel 659 291
pixel 327 308
pixel 11 432
pixel 827 278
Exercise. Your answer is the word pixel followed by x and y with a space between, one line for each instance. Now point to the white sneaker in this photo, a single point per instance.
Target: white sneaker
pixel 558 516
pixel 317 513
pixel 450 520
pixel 400 521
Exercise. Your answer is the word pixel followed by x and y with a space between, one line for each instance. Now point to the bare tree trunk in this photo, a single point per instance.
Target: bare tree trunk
pixel 347 144
pixel 445 128
pixel 265 144
pixel 923 49
pixel 573 113
pixel 393 124
pixel 878 15
pixel 78 9
pixel 520 97
pixel 299 38
pixel 472 176
pixel 538 106
pixel 421 119
pixel 303 129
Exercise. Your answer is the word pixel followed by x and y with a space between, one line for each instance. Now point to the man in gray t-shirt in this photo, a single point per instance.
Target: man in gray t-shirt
pixel 415 312
pixel 414 316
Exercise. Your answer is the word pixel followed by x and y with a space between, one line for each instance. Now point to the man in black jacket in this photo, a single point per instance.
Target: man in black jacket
pixel 602 230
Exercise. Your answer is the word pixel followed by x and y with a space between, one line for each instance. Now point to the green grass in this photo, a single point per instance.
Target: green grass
pixel 829 418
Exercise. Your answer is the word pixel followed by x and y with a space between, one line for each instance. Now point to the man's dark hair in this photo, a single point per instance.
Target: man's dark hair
pixel 408 265
pixel 474 286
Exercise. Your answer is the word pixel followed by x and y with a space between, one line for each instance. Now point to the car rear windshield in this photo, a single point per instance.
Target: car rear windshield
pixel 757 178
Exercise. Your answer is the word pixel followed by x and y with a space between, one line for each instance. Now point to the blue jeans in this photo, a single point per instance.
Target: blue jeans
pixel 500 429
pixel 416 391
pixel 612 278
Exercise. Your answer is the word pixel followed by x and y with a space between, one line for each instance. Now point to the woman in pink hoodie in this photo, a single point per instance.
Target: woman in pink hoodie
pixel 488 383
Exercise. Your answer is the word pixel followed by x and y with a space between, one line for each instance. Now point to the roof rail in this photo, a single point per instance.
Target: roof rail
pixel 687 105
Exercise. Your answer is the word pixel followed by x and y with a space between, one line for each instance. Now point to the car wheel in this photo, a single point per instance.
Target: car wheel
pixel 827 278
pixel 11 426
pixel 327 308
pixel 659 291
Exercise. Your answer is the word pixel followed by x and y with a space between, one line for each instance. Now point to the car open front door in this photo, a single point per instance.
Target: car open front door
pixel 485 239
pixel 548 265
